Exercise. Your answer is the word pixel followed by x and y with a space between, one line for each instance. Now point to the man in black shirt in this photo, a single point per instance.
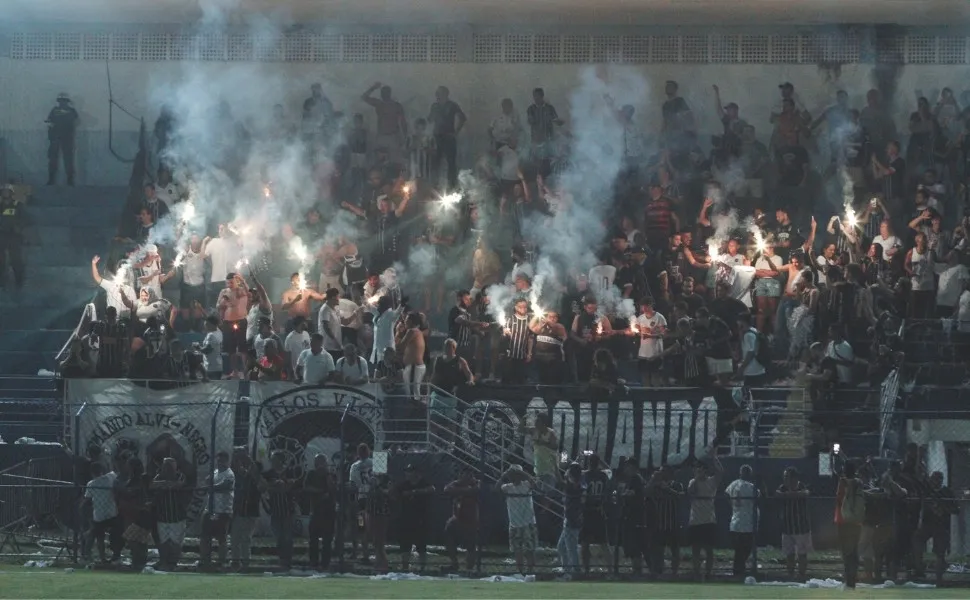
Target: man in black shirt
pixel 61 127
pixel 715 336
pixel 169 502
pixel 112 337
pixel 320 488
pixel 939 505
pixel 462 328
pixel 447 120
pixel 414 496
pixel 662 515
pixel 787 236
pixel 245 506
pixel 630 490
pixel 279 488
pixel 594 530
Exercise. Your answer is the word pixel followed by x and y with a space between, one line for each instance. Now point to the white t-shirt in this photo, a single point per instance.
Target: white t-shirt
pixel 922 266
pixel 212 361
pixel 252 321
pixel 362 476
pixel 963 312
pixel 951 284
pixel 749 343
pixel 886 243
pixel 505 127
pixel 193 268
pixel 329 319
pixel 167 194
pixel 522 268
pixel 295 344
pixel 518 502
pixel 742 494
pixel 823 268
pixel 384 333
pixel 508 161
pixel 100 491
pixel 768 263
pixel 316 367
pixel 360 370
pixel 601 278
pixel 220 251
pixel 113 291
pixel 841 352
pixel 259 345
pixel 651 347
pixel 222 499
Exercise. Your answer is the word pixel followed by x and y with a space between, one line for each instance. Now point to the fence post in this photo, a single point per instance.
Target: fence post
pixel 212 457
pixel 482 489
pixel 78 534
pixel 755 436
pixel 341 488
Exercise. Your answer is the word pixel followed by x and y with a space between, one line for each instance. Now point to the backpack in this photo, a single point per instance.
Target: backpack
pixel 853 504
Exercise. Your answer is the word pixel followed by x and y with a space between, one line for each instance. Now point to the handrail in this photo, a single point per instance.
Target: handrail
pixel 91 314
pixel 111 105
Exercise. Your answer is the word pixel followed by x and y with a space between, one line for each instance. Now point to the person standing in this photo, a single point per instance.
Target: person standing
pixel 939 506
pixel 523 535
pixel 543 119
pixel 796 529
pixel 447 120
pixel 462 527
pixel 743 516
pixel 320 487
pixel 61 130
pixel 519 341
pixel 545 449
pixel 12 222
pixel 330 324
pixel 100 493
pixel 652 327
pixel 550 336
pixel 849 513
pixel 215 523
pixel 568 546
pixel 392 126
pixel 596 488
pixel 664 496
pixel 412 345
pixel 414 496
pixel 279 487
pixel 703 519
pixel 170 514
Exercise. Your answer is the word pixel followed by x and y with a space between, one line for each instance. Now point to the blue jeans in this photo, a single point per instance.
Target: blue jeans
pixel 283 532
pixel 782 336
pixel 568 548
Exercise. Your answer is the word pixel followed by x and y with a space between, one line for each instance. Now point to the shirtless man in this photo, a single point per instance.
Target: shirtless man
pixel 233 306
pixel 411 346
pixel 296 302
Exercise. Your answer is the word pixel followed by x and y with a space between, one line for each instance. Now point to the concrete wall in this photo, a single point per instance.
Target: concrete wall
pixel 30 87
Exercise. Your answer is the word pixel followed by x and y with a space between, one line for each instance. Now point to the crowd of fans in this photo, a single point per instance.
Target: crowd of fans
pixel 613 521
pixel 827 234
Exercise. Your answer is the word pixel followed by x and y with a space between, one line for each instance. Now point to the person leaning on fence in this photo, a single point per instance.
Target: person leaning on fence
pixel 568 546
pixel 742 493
pixel 939 505
pixel 216 519
pixel 361 479
pixel 245 507
pixel 413 495
pixel 595 529
pixel 135 508
pixel 100 494
pixel 703 519
pixel 461 529
pixel 320 488
pixel 663 519
pixel 630 489
pixel 877 540
pixel 279 489
pixel 796 529
pixel 517 485
pixel 168 498
pixel 849 513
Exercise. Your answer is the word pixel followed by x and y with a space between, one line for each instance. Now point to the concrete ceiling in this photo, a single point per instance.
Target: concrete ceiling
pixel 497 12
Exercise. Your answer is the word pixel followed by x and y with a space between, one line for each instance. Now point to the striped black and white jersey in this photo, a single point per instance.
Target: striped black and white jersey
pixel 458 329
pixel 519 336
pixel 112 339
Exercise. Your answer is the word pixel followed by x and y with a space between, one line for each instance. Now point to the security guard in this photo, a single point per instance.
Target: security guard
pixel 12 220
pixel 61 127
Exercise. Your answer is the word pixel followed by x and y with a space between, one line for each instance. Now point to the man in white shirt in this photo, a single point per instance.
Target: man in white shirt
pixel 215 523
pixel 211 349
pixel 505 127
pixel 329 324
pixel 742 494
pixel 351 367
pixel 384 322
pixel 100 493
pixel 222 252
pixel 296 342
pixel 315 366
pixel 523 538
pixel 601 278
pixel 264 336
pixel 113 290
pixel 361 479
pixel 652 326
pixel 841 351
pixel 752 372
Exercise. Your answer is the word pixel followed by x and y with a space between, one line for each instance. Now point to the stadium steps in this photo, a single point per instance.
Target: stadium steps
pixel 67 226
pixel 30 406
pixel 791 438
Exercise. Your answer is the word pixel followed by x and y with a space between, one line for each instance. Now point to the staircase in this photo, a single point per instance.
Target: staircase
pixel 67 226
pixel 461 437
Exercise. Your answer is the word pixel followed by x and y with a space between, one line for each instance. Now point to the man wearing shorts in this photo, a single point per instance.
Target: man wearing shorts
pixel 702 523
pixel 517 486
pixel 594 530
pixel 796 529
pixel 233 307
pixel 215 522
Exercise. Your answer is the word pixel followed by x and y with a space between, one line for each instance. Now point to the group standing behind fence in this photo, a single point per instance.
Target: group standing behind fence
pixel 609 518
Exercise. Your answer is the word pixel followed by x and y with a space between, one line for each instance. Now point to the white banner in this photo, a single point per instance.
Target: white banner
pixel 125 419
